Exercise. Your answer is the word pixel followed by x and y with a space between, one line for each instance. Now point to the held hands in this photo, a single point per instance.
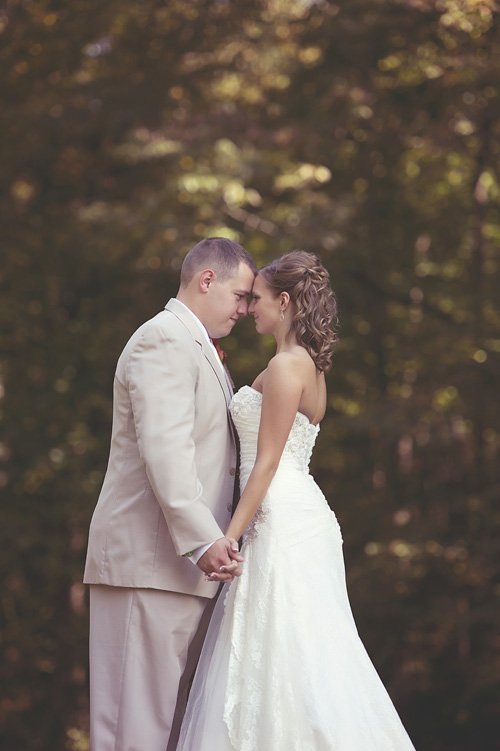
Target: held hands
pixel 221 561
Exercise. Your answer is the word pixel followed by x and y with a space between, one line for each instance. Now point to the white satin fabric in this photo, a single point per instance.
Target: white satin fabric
pixel 283 667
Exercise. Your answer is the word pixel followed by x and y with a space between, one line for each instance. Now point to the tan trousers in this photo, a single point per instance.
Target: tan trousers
pixel 144 645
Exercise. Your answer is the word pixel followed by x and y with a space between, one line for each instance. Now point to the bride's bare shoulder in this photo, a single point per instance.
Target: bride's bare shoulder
pixel 295 363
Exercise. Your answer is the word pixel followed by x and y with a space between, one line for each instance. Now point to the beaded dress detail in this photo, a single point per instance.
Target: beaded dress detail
pixel 283 667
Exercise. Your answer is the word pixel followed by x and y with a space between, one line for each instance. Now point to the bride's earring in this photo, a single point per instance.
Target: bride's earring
pixel 282 315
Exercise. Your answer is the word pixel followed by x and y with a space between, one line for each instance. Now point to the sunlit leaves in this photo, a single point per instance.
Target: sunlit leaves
pixel 365 131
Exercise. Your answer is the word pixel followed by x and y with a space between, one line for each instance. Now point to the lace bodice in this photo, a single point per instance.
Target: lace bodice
pixel 245 411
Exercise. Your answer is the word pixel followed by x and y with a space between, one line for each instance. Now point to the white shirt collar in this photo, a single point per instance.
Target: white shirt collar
pixel 203 330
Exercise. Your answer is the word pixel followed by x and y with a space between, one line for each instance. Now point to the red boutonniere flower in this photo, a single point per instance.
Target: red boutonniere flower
pixel 223 355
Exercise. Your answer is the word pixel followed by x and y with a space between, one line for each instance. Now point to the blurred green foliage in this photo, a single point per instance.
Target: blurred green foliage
pixel 367 131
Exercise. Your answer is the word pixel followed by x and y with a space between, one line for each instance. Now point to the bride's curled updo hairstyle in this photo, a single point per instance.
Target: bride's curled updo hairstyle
pixel 306 280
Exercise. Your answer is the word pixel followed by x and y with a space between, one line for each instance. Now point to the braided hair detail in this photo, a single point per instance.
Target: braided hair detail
pixel 307 282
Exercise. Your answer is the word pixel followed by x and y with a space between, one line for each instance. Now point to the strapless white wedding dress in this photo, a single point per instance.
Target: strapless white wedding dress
pixel 283 667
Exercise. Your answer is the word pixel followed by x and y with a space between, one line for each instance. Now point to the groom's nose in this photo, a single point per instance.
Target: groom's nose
pixel 242 308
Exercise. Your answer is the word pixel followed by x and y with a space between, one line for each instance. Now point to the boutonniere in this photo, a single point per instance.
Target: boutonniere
pixel 222 355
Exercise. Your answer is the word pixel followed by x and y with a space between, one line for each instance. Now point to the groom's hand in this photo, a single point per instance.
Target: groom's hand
pixel 221 561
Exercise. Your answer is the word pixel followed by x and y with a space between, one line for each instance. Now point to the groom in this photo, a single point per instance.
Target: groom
pixel 164 505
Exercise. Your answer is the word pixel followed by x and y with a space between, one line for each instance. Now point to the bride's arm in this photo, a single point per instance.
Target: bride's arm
pixel 281 393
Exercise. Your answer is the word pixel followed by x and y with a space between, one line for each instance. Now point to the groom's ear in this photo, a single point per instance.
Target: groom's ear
pixel 205 280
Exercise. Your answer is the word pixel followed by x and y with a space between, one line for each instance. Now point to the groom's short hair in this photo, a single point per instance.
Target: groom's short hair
pixel 221 255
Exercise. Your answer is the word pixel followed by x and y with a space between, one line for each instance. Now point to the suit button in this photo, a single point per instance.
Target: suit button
pixel 232 471
pixel 229 507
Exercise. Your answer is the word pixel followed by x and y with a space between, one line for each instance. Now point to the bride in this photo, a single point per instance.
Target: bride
pixel 283 667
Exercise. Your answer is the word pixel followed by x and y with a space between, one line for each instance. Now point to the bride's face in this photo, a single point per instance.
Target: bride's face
pixel 264 307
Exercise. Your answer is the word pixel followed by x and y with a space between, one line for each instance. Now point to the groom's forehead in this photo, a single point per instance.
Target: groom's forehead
pixel 244 289
pixel 243 282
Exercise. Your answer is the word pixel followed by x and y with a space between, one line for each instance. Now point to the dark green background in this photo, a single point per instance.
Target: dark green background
pixel 365 131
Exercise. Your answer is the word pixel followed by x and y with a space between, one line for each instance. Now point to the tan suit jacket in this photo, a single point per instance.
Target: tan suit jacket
pixel 169 484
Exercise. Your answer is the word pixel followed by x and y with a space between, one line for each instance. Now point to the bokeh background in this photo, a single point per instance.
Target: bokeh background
pixel 367 131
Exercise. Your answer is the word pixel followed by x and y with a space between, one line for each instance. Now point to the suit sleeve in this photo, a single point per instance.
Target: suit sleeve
pixel 162 374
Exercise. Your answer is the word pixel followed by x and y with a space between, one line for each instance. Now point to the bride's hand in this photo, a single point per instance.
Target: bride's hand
pixel 234 550
pixel 228 571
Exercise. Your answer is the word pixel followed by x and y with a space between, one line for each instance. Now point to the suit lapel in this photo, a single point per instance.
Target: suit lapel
pixel 221 376
pixel 179 310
